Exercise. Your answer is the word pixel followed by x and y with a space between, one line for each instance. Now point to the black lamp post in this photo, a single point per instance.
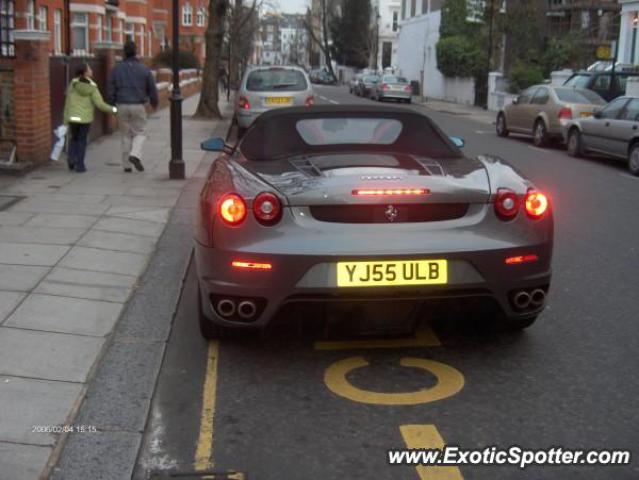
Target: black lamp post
pixel 176 164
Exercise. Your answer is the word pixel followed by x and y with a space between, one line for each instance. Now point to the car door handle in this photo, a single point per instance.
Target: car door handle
pixel 607 124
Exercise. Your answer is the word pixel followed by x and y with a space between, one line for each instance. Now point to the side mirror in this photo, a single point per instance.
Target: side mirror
pixel 215 144
pixel 597 114
pixel 458 141
pixel 515 101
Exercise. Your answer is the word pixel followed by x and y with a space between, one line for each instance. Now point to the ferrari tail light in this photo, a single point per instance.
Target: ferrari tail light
pixel 518 259
pixel 385 87
pixel 251 265
pixel 244 103
pixel 536 204
pixel 506 204
pixel 310 101
pixel 383 192
pixel 565 114
pixel 232 209
pixel 267 208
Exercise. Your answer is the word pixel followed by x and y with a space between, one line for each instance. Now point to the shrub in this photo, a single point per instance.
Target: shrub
pixel 185 59
pixel 459 57
pixel 523 76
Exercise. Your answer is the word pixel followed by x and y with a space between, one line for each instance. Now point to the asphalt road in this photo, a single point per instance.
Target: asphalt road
pixel 281 407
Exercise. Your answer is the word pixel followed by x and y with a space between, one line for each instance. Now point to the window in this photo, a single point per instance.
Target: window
pixel 30 15
pixel 602 82
pixel 80 32
pixel 340 131
pixel 129 32
pixel 280 80
pixel 541 96
pixel 98 25
pixel 7 24
pixel 614 108
pixel 578 81
pixel 526 95
pixel 57 30
pixel 631 112
pixel 141 40
pixel 573 95
pixel 585 19
pixel 108 29
pixel 413 7
pixel 122 31
pixel 43 14
pixel 475 10
pixel 187 15
pixel 403 9
pixel 395 18
pixel 424 7
pixel 199 18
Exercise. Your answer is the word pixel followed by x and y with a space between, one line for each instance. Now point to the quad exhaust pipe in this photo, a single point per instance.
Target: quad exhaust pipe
pixel 226 307
pixel 246 309
pixel 537 297
pixel 521 300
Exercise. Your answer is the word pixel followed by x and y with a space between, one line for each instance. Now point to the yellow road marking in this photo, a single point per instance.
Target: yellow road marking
pixel 427 437
pixel 425 337
pixel 204 450
pixel 449 382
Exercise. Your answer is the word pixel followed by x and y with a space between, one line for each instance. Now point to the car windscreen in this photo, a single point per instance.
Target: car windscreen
pixel 288 134
pixel 579 81
pixel 371 79
pixel 276 79
pixel 571 95
pixel 394 79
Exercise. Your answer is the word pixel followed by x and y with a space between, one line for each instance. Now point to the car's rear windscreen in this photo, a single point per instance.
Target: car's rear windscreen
pixel 571 95
pixel 290 134
pixel 579 81
pixel 394 79
pixel 276 80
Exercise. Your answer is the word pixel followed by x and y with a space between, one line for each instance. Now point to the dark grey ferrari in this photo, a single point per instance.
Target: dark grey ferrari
pixel 365 205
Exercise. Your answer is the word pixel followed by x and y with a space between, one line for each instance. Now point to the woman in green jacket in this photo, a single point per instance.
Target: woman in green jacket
pixel 83 96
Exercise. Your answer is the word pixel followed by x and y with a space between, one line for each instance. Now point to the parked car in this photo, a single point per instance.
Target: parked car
pixel 544 110
pixel 600 82
pixel 325 78
pixel 613 131
pixel 352 85
pixel 366 84
pixel 333 204
pixel 267 88
pixel 392 87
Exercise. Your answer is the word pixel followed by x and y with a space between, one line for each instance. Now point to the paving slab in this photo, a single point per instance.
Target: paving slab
pixel 29 402
pixel 46 206
pixel 31 254
pixel 139 213
pixel 130 201
pixel 42 235
pixel 8 302
pixel 14 218
pixel 154 191
pixel 65 315
pixel 95 189
pixel 46 355
pixel 108 261
pixel 129 225
pixel 70 282
pixel 22 462
pixel 20 278
pixel 68 197
pixel 53 220
pixel 122 242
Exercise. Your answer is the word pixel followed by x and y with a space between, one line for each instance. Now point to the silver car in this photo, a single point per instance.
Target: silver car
pixel 267 88
pixel 613 131
pixel 392 87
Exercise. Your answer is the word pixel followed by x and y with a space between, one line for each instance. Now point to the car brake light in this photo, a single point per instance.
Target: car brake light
pixel 516 260
pixel 381 192
pixel 267 208
pixel 408 88
pixel 232 209
pixel 385 87
pixel 310 101
pixel 251 265
pixel 506 204
pixel 565 114
pixel 536 204
pixel 244 103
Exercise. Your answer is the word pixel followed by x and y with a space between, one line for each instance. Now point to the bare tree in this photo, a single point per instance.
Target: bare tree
pixel 326 9
pixel 240 37
pixel 214 37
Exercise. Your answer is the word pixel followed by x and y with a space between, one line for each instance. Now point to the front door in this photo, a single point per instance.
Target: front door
pixel 598 132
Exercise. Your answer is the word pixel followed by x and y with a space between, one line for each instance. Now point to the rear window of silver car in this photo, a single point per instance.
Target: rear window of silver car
pixel 355 131
pixel 394 79
pixel 276 80
pixel 571 95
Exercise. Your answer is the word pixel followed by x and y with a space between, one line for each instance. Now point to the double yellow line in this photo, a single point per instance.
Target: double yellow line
pixel 204 449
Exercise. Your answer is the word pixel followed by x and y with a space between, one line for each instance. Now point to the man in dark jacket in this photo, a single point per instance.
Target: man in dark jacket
pixel 131 87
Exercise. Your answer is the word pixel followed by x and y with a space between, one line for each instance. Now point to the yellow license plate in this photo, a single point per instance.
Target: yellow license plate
pixel 278 101
pixel 585 114
pixel 382 274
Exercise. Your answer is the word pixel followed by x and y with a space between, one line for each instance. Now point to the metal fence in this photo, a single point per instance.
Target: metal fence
pixel 7 25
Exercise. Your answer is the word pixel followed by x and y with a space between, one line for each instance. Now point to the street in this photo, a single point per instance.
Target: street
pixel 315 403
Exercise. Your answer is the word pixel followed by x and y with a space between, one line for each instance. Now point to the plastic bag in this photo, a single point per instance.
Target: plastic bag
pixel 61 134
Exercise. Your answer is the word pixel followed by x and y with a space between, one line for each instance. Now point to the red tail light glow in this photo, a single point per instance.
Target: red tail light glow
pixel 408 88
pixel 565 114
pixel 310 101
pixel 244 103
pixel 385 87
pixel 267 208
pixel 506 204
pixel 382 192
pixel 251 265
pixel 232 209
pixel 516 260
pixel 536 204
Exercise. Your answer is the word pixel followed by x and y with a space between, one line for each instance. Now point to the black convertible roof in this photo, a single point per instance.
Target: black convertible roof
pixel 274 134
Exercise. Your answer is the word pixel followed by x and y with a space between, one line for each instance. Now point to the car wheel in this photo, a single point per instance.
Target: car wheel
pixel 540 134
pixel 574 146
pixel 633 159
pixel 502 129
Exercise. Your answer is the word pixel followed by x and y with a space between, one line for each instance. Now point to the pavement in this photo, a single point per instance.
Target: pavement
pixel 74 249
pixel 470 112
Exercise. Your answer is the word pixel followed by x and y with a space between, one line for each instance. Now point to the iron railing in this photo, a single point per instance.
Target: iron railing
pixel 7 25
